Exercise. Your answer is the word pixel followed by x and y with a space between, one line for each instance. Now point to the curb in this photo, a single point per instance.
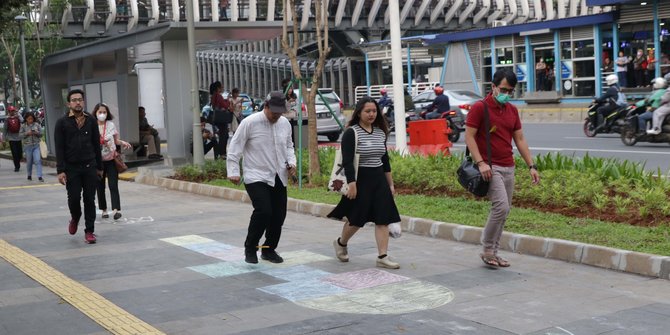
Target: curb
pixel 574 252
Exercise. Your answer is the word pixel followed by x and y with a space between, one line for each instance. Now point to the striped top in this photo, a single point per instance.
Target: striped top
pixel 371 148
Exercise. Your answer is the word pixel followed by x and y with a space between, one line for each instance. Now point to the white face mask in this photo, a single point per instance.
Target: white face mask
pixel 102 116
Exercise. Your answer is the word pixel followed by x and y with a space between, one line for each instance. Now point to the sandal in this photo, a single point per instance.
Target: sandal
pixel 503 263
pixel 490 260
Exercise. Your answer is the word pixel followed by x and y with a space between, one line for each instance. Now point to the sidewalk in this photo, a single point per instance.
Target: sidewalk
pixel 174 263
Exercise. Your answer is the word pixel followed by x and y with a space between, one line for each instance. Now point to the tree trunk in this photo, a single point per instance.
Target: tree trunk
pixel 291 48
pixel 12 68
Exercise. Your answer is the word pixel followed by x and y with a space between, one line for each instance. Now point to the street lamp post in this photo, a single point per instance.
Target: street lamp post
pixel 26 97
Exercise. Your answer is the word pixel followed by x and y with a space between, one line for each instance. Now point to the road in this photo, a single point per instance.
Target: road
pixel 568 139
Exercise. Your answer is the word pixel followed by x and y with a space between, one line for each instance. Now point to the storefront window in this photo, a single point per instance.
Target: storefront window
pixel 584 48
pixel 486 57
pixel 566 50
pixel 584 69
pixel 585 88
pixel 505 57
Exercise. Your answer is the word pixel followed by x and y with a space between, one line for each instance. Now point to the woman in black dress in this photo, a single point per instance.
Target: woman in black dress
pixel 370 196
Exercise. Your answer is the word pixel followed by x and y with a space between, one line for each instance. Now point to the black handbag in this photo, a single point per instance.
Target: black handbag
pixel 468 173
pixel 219 115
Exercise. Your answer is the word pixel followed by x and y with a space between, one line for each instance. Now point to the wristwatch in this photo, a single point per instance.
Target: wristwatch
pixel 532 166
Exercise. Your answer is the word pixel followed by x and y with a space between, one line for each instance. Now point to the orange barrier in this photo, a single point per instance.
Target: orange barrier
pixel 429 137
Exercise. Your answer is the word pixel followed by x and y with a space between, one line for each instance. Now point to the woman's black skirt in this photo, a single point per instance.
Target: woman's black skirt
pixel 374 200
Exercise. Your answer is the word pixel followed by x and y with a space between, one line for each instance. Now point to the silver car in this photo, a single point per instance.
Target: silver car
pixel 326 125
pixel 461 99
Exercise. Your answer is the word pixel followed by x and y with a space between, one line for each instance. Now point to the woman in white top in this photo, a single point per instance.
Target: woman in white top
pixel 109 139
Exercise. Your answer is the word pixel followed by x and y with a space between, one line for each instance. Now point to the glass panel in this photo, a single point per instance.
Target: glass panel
pixel 584 68
pixel 505 56
pixel 520 54
pixel 566 50
pixel 486 57
pixel 521 89
pixel 487 74
pixel 584 48
pixel 585 88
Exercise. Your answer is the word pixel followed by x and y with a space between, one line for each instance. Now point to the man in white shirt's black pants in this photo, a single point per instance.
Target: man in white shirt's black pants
pixel 264 140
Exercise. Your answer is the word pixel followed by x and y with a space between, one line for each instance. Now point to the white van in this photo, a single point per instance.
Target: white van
pixel 3 112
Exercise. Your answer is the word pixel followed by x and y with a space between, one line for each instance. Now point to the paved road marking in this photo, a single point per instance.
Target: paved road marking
pixel 368 291
pixel 93 305
pixel 28 186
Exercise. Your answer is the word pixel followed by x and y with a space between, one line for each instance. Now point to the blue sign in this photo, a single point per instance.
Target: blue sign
pixel 521 72
pixel 566 69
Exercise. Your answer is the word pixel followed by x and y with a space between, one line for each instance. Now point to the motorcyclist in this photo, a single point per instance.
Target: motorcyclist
pixel 439 105
pixel 384 101
pixel 653 102
pixel 661 112
pixel 610 100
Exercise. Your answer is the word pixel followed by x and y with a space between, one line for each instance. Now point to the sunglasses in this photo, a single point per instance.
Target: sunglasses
pixel 506 90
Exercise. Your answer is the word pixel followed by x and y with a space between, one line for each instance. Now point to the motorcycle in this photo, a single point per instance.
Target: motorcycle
pixel 455 121
pixel 631 133
pixel 388 110
pixel 614 122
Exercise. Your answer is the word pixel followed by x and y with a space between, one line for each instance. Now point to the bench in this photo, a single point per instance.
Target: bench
pixel 541 97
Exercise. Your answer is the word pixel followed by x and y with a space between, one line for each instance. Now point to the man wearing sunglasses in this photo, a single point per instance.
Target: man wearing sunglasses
pixel 498 170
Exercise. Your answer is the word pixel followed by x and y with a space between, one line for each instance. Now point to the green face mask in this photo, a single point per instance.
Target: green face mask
pixel 503 98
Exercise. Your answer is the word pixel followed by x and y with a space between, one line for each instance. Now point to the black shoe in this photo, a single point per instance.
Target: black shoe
pixel 272 257
pixel 41 179
pixel 30 178
pixel 117 215
pixel 16 170
pixel 250 257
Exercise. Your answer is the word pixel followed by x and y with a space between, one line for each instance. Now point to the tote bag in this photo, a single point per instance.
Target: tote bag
pixel 338 181
pixel 44 151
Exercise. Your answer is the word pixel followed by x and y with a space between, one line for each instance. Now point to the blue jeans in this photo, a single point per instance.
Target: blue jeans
pixel 33 156
pixel 433 115
pixel 623 82
pixel 643 119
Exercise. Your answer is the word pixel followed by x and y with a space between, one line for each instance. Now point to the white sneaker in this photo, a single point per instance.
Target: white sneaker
pixel 654 131
pixel 387 263
pixel 340 251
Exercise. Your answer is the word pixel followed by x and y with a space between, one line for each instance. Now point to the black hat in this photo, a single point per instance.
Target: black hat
pixel 277 102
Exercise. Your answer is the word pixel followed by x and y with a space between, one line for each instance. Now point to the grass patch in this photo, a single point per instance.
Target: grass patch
pixel 654 240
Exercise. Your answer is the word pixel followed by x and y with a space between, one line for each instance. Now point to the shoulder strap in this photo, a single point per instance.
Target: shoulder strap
pixel 487 128
pixel 355 142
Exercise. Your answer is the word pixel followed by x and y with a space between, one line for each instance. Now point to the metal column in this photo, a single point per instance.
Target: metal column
pixel 530 66
pixel 597 40
pixel 557 62
pixel 657 42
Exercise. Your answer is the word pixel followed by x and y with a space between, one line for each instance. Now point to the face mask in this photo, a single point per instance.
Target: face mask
pixel 102 117
pixel 503 98
pixel 639 54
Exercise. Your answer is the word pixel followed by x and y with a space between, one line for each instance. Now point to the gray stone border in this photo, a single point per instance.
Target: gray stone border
pixel 604 257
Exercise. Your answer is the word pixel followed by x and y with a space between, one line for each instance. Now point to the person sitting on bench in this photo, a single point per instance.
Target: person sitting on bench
pixel 149 135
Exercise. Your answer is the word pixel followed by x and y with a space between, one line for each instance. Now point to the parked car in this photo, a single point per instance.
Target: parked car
pixel 461 99
pixel 3 112
pixel 325 123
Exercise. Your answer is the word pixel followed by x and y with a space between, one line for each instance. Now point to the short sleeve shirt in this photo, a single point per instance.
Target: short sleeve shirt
pixel 504 121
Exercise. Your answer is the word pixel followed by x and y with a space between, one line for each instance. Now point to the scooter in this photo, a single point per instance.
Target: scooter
pixel 631 133
pixel 614 122
pixel 455 121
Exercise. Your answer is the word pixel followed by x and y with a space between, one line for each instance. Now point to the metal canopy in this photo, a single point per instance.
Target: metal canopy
pixel 208 35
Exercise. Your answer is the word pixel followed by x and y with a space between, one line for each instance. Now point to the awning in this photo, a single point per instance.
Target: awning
pixel 586 20
pixel 592 3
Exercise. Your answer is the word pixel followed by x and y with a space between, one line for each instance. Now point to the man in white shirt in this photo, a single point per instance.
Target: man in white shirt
pixel 264 140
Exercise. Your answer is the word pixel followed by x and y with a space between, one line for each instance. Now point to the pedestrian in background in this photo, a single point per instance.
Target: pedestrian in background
pixel 370 196
pixel 109 140
pixel 621 69
pixel 639 68
pixel 31 135
pixel 221 108
pixel 79 162
pixel 504 126
pixel 236 108
pixel 12 135
pixel 264 141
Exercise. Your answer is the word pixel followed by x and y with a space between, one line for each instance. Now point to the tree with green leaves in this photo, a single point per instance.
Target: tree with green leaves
pixel 36 47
